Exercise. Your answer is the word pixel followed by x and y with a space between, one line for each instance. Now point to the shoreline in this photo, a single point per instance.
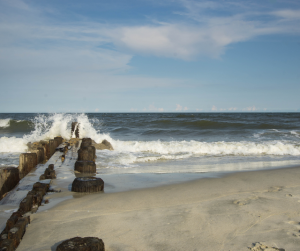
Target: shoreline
pixel 225 213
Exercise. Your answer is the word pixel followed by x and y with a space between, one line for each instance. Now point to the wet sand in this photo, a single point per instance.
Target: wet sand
pixel 227 213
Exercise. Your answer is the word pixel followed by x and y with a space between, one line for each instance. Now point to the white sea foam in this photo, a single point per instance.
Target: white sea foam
pixel 211 148
pixel 12 144
pixel 296 133
pixel 47 127
pixel 130 153
pixel 4 123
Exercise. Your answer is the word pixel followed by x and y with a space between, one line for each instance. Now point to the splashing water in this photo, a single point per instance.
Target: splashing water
pixel 50 126
pixel 133 153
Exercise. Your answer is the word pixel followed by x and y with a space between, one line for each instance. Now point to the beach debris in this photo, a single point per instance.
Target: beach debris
pixel 82 244
pixel 49 173
pixel 87 185
pixel 104 145
pixel 258 246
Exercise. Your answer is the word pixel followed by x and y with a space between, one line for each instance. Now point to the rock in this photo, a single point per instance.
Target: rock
pixel 104 145
pixel 75 130
pixel 82 244
pixel 27 161
pixel 87 153
pixel 9 178
pixel 87 185
pixel 85 166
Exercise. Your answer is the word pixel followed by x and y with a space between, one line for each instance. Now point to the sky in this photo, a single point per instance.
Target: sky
pixel 149 56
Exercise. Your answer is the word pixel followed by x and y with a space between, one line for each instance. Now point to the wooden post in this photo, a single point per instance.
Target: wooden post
pixel 27 161
pixel 75 127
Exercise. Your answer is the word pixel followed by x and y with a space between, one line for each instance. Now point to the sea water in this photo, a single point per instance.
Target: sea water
pixel 166 142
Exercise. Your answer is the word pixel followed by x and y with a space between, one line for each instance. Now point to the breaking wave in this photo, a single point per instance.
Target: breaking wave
pixel 45 127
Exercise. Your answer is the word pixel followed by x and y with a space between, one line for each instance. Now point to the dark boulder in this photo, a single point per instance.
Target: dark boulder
pixel 81 244
pixel 104 145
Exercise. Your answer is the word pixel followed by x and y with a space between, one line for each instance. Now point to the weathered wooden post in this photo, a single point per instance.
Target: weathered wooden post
pixel 75 128
pixel 9 178
pixel 27 161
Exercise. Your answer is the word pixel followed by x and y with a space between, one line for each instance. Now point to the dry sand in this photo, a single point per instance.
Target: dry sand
pixel 228 213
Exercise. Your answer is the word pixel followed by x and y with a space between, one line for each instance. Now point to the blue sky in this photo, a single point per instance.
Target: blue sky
pixel 149 56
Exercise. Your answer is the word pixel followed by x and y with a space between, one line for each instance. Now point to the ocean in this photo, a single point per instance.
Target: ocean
pixel 159 143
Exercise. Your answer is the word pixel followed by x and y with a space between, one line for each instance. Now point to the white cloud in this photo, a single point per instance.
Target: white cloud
pixel 287 14
pixel 214 108
pixel 180 108
pixel 152 108
pixel 251 109
pixel 97 110
pixel 208 36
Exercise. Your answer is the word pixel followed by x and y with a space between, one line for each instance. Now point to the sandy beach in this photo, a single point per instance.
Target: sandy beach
pixel 227 213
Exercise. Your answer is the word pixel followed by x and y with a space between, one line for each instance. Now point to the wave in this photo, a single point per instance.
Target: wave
pixel 209 124
pixel 210 148
pixel 45 127
pixel 15 126
pixel 129 154
pixel 4 123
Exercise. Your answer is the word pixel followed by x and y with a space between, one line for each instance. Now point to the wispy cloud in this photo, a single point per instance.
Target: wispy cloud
pixel 208 35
